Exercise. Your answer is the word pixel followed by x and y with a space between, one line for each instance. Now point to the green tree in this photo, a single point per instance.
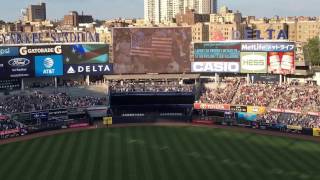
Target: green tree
pixel 312 51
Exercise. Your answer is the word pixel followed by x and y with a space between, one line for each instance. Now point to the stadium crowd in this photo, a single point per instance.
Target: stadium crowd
pixel 222 93
pixel 295 97
pixel 282 119
pixel 37 100
pixel 259 94
pixel 285 96
pixel 299 98
pixel 6 125
pixel 149 86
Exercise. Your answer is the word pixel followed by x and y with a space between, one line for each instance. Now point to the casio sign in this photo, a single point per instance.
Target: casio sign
pixel 230 67
pixel 19 62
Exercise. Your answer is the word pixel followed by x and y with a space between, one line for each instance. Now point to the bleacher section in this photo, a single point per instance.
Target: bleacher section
pixel 145 101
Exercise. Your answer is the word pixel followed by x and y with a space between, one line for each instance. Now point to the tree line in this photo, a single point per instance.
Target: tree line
pixel 312 51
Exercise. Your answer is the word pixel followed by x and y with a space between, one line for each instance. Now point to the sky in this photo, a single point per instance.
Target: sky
pixel 109 9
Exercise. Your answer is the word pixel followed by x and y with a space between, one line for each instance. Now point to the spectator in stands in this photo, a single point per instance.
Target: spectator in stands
pixel 149 86
pixel 286 96
pixel 221 93
pixel 40 101
pixel 306 121
pixel 258 94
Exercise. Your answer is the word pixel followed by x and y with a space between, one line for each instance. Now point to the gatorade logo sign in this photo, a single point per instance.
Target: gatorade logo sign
pixel 40 50
pixel 88 69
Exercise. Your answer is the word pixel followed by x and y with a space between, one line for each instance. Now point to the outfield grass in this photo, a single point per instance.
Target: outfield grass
pixel 147 153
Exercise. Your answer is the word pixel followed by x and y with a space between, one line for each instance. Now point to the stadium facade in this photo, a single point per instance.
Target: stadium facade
pixel 152 73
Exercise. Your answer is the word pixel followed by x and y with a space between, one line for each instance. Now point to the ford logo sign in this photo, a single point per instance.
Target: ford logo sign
pixel 19 62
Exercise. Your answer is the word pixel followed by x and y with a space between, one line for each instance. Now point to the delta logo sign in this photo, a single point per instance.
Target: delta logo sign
pixel 88 69
pixel 250 34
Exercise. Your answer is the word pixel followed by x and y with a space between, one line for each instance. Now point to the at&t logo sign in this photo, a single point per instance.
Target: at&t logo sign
pixel 48 63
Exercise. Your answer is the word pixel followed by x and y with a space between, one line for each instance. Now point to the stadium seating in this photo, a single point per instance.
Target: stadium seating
pixel 38 100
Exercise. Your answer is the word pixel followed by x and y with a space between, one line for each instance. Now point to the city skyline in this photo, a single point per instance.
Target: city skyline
pixel 107 9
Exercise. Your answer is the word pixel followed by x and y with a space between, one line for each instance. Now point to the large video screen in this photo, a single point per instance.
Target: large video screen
pixel 151 50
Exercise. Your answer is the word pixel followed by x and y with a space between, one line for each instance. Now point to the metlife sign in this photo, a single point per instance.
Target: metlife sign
pixel 46 66
pixel 267 47
pixel 88 69
pixel 215 67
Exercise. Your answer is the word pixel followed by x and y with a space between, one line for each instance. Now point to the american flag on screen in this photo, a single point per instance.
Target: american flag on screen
pixel 158 47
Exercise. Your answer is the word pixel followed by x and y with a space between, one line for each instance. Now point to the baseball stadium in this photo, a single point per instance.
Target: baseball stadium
pixel 155 105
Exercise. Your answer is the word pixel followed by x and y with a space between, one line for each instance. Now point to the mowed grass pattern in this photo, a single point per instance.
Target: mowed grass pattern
pixel 147 153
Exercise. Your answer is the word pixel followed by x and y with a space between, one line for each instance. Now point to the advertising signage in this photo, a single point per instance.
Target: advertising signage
pixel 88 69
pixel 58 112
pixel 16 67
pixel 9 51
pixel 267 47
pixel 254 62
pixel 47 66
pixel 87 59
pixel 54 60
pixel 238 108
pixel 40 50
pixel 39 116
pixel 217 51
pixel 281 63
pixel 86 54
pixel 256 110
pixel 265 78
pixel 205 106
pixel 215 67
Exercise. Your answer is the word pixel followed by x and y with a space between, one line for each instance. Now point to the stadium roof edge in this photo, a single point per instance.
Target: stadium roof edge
pixel 151 76
pixel 151 27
